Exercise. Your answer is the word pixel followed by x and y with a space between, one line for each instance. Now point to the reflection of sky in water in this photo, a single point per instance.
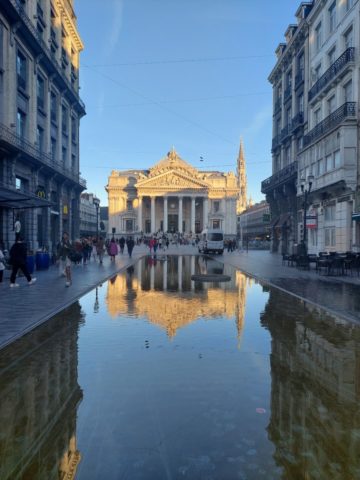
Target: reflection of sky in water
pixel 183 380
pixel 187 393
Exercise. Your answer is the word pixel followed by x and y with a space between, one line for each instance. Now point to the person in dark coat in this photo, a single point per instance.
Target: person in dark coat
pixel 18 261
pixel 130 245
pixel 122 244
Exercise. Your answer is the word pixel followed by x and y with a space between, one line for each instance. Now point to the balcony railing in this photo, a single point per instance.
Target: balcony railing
pixel 285 133
pixel 347 110
pixel 284 175
pixel 297 121
pixel 277 105
pixel 276 142
pixel 18 143
pixel 17 4
pixel 339 65
pixel 299 78
pixel 21 81
pixel 287 93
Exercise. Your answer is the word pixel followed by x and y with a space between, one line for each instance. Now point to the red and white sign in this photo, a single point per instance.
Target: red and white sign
pixel 311 219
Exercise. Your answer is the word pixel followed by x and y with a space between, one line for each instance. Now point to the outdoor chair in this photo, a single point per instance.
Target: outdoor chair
pixel 355 265
pixel 336 266
pixel 323 262
pixel 313 258
pixel 302 261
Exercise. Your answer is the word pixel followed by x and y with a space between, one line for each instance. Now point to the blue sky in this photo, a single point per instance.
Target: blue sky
pixel 185 73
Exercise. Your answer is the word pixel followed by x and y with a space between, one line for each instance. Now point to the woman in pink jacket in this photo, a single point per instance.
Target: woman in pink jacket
pixel 113 249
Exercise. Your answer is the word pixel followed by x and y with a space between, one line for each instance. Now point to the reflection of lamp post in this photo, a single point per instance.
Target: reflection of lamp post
pixel 96 202
pixel 96 304
pixel 305 190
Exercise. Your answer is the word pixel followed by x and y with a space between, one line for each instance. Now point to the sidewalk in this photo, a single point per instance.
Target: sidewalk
pixel 338 294
pixel 26 307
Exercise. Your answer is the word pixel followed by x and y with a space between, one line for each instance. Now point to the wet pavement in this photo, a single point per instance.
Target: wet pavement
pixel 153 376
pixel 25 307
pixel 340 295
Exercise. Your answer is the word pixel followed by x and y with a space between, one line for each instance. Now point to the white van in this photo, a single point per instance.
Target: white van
pixel 211 241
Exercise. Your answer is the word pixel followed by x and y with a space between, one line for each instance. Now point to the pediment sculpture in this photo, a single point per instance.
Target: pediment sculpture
pixel 173 180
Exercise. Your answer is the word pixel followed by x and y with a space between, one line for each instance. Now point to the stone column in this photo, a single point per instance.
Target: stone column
pixel 180 260
pixel 192 270
pixel 152 277
pixel 223 205
pixel 180 223
pixel 139 273
pixel 140 214
pixel 152 214
pixel 192 216
pixel 165 267
pixel 165 223
pixel 205 212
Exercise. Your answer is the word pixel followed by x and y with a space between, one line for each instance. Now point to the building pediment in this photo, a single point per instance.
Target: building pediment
pixel 173 180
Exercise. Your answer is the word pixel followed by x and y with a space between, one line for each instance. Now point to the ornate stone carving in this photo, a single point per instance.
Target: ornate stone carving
pixel 171 162
pixel 173 180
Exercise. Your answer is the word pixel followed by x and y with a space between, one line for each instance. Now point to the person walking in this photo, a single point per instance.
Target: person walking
pixel 2 263
pixel 122 244
pixel 113 249
pixel 130 245
pixel 18 261
pixel 100 249
pixel 64 252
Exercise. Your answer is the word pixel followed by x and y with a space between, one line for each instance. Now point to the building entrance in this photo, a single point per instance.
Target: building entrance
pixel 173 223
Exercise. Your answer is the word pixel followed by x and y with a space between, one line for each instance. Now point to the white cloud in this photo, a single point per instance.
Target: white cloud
pixel 115 28
pixel 259 121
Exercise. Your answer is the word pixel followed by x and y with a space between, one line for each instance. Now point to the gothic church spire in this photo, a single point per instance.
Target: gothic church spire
pixel 242 180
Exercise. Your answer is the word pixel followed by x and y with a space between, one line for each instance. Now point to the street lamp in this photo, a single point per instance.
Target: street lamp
pixel 305 190
pixel 96 202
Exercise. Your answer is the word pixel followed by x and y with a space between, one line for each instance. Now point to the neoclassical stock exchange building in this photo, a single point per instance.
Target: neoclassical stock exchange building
pixel 172 196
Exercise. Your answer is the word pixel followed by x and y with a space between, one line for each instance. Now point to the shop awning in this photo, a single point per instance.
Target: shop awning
pixel 274 222
pixel 279 221
pixel 283 219
pixel 14 199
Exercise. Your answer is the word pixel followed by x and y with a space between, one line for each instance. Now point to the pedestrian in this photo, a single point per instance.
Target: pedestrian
pixel 18 261
pixel 113 249
pixel 64 253
pixel 100 249
pixel 130 245
pixel 122 244
pixel 93 249
pixel 2 263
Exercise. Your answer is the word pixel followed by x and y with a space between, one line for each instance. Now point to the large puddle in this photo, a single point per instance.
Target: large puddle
pixel 153 376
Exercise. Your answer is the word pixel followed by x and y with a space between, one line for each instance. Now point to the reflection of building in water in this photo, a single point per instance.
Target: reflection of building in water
pixel 39 398
pixel 315 369
pixel 148 290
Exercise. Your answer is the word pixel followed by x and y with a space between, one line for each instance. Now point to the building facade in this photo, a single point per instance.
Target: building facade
pixel 315 133
pixel 289 79
pixel 89 215
pixel 254 225
pixel 172 196
pixel 40 111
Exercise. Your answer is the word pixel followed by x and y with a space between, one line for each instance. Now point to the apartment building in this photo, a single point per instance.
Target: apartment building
pixel 40 112
pixel 254 224
pixel 89 215
pixel 315 135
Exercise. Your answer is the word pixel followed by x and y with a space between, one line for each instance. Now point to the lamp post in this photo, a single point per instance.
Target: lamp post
pixel 305 190
pixel 97 205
